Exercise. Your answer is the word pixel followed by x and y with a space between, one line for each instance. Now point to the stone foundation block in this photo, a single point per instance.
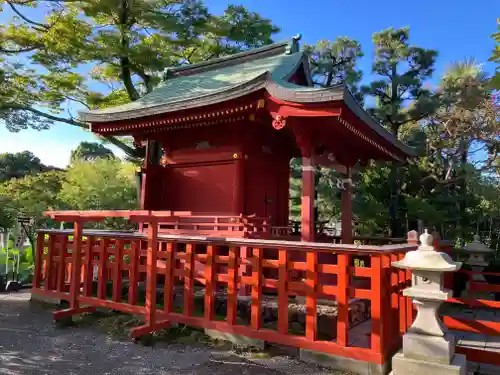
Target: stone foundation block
pixel 409 366
pixel 343 363
pixel 45 299
pixel 431 348
pixel 235 339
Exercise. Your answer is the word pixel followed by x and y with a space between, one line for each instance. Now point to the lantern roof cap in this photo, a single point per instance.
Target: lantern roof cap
pixel 426 258
pixel 476 246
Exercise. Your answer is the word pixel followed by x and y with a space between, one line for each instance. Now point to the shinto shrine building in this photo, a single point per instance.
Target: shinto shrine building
pixel 220 135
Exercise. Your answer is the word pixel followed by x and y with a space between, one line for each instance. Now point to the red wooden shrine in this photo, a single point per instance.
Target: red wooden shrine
pixel 220 135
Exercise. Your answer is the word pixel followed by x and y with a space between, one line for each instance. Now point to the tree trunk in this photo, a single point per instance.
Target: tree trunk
pixel 462 210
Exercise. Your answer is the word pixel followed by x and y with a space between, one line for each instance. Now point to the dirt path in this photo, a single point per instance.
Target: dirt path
pixel 31 344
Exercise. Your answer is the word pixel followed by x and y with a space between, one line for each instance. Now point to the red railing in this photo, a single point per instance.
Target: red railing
pixel 188 277
pixel 477 313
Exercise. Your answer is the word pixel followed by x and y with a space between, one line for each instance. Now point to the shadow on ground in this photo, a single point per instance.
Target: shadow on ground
pixel 31 344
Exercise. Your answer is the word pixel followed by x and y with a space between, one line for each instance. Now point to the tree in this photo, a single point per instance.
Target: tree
pixel 400 96
pixel 123 46
pixel 31 195
pixel 105 184
pixel 463 129
pixel 495 82
pixel 399 92
pixel 333 63
pixel 7 214
pixel 19 165
pixel 91 151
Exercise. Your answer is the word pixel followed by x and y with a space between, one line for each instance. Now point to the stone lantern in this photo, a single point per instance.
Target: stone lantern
pixel 427 346
pixel 477 252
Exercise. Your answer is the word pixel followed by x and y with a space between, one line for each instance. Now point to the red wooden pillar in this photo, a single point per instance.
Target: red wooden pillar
pixel 151 323
pixel 239 186
pixel 308 229
pixel 40 244
pixel 75 272
pixel 76 255
pixel 346 205
pixel 144 181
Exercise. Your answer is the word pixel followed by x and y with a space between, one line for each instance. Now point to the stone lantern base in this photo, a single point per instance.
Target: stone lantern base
pixel 402 365
pixel 439 349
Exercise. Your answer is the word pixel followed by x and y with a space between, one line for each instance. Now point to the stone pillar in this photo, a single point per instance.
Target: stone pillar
pixel 477 251
pixel 427 347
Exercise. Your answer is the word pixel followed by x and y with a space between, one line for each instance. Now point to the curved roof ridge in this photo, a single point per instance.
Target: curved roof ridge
pixel 280 48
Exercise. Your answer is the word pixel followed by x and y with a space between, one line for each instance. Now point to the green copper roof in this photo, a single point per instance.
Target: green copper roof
pixel 201 80
pixel 267 68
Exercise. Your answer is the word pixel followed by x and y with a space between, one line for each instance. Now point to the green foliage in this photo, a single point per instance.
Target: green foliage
pixel 105 184
pixel 50 60
pixel 91 151
pixel 399 92
pixel 18 165
pixel 334 62
pixel 34 194
pixel 495 82
pixel 101 185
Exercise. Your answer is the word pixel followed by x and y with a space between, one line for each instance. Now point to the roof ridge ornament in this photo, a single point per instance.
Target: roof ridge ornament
pixel 293 46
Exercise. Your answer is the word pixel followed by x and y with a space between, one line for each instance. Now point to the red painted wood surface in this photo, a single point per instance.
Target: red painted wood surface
pixel 220 264
pixel 308 229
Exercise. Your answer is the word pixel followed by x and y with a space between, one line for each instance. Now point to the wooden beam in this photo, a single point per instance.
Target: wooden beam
pixel 288 109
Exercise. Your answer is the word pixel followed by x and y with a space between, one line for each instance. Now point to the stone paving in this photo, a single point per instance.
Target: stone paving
pixel 474 340
pixel 31 345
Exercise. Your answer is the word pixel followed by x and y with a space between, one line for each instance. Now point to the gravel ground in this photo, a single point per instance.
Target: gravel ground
pixel 31 344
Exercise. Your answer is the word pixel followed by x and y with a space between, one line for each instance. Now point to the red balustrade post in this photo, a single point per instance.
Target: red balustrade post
pixel 76 269
pixel 411 311
pixel 49 264
pixel 255 310
pixel 134 272
pixel 151 273
pixel 283 292
pixel 377 305
pixel 311 302
pixel 189 280
pixel 40 245
pixel 76 255
pixel 244 270
pixel 168 293
pixel 343 299
pixel 88 268
pixel 232 279
pixel 209 283
pixel 61 265
pixel 151 282
pixel 102 274
pixel 117 282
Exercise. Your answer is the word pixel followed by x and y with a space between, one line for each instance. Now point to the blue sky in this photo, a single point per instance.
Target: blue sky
pixel 457 29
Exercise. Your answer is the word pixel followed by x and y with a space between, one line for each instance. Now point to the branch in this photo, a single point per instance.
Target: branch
pixel 113 140
pixel 146 78
pixel 39 26
pixel 21 107
pixel 121 145
pixel 78 101
pixel 20 50
pixel 439 181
